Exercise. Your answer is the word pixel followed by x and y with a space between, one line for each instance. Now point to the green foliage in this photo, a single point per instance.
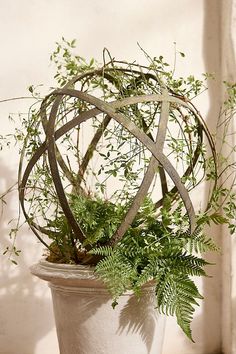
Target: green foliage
pixel 198 242
pixel 177 294
pixel 150 250
pixel 98 219
pixel 145 254
pixel 67 63
pixel 158 245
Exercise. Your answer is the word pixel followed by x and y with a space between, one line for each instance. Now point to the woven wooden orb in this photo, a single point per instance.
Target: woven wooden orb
pixel 65 111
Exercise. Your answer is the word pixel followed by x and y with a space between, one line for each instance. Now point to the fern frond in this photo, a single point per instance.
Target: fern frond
pixel 102 251
pixel 149 272
pixel 202 244
pixel 117 273
pixel 198 242
pixel 131 250
pixel 177 295
pixel 187 264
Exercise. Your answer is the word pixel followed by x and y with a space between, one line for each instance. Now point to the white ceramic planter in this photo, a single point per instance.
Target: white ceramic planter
pixel 85 320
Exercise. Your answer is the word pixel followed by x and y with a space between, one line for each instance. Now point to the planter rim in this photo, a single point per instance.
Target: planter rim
pixel 68 274
pixel 48 271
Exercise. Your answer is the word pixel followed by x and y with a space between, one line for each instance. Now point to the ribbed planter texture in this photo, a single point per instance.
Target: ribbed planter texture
pixel 85 320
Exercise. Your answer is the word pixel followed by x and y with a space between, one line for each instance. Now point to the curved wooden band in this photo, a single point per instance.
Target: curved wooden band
pixel 110 110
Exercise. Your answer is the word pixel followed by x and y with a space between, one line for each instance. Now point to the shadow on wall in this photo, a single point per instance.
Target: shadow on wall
pixel 212 320
pixel 139 316
pixel 204 343
pixel 206 327
pixel 25 312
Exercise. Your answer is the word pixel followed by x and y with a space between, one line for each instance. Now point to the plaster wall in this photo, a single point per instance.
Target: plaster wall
pixel 28 32
pixel 228 66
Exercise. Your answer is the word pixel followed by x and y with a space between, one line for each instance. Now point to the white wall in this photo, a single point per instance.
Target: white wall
pixel 228 25
pixel 28 31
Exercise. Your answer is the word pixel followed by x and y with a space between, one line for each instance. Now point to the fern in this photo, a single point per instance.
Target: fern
pixel 176 292
pixel 102 251
pixel 117 273
pixel 151 249
pixel 176 295
pixel 186 264
pixel 149 272
pixel 201 244
pixel 198 242
pixel 98 219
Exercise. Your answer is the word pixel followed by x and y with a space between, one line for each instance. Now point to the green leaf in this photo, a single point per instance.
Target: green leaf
pixel 73 43
pixel 218 219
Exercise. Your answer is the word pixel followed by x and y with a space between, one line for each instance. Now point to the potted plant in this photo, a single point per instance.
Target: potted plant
pixel 109 163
